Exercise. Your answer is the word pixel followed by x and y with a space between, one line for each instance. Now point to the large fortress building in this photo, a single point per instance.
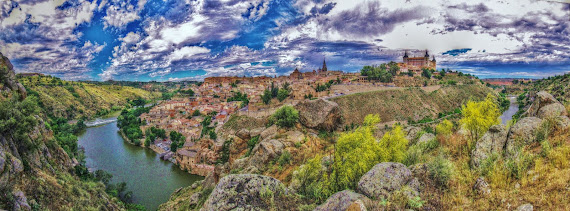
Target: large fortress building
pixel 417 63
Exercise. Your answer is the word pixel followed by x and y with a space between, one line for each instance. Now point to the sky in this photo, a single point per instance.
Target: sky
pixel 168 40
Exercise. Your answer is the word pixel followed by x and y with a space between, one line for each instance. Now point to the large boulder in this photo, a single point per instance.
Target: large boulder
pixel 341 201
pixel 293 137
pixel 412 133
pixel 244 192
pixel 525 207
pixel 256 131
pixel 426 137
pixel 319 114
pixel 551 111
pixel 385 178
pixel 269 132
pixel 522 133
pixel 243 134
pixel 264 152
pixel 492 142
pixel 542 99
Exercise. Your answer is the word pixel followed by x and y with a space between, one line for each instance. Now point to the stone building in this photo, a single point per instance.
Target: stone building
pixel 417 63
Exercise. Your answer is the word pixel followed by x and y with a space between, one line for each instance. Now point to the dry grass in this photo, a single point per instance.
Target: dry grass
pixel 401 104
pixel 545 185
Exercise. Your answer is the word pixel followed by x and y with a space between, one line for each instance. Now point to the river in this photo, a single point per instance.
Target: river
pixel 151 179
pixel 508 114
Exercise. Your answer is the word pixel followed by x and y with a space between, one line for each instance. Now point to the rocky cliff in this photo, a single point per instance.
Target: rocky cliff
pixel 35 172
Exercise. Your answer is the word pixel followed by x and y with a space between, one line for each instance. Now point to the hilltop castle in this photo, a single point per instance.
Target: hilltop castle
pixel 417 63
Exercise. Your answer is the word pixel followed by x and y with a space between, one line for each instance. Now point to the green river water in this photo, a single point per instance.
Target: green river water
pixel 151 179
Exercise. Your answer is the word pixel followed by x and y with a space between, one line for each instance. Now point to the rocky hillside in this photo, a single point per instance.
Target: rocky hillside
pixel 278 168
pixel 407 104
pixel 35 172
pixel 73 100
pixel 558 86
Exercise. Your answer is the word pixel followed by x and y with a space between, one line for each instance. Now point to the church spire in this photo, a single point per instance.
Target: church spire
pixel 406 54
pixel 324 65
pixel 427 55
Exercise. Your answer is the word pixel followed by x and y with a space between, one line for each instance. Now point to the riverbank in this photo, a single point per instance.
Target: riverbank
pixel 150 179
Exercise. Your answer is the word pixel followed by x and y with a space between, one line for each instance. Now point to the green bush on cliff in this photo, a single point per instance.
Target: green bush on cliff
pixel 285 116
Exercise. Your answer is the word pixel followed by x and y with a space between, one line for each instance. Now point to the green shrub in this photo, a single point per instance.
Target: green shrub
pixel 285 116
pixel 440 170
pixel 518 165
pixel 285 158
pixel 251 144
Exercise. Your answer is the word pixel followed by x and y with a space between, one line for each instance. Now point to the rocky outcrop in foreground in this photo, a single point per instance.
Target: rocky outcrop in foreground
pixel 385 178
pixel 341 201
pixel 492 142
pixel 244 192
pixel 319 114
pixel 497 140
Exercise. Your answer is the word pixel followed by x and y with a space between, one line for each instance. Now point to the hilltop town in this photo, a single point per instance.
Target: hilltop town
pixel 196 117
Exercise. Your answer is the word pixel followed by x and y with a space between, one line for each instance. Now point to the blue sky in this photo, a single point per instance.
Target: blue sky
pixel 188 40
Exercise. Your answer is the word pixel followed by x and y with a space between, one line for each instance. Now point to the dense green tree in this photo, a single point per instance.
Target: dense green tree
pixel 266 96
pixel 282 94
pixel 286 116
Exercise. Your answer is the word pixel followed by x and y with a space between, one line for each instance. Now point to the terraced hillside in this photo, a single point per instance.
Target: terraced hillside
pixel 407 103
pixel 73 100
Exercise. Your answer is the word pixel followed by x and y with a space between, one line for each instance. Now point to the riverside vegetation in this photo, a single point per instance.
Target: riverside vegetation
pixel 41 165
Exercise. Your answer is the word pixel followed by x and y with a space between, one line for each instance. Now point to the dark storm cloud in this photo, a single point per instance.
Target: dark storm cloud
pixel 369 19
pixel 325 9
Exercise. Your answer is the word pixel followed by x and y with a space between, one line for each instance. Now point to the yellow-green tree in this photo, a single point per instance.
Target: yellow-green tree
pixel 444 128
pixel 479 116
pixel 355 153
pixel 393 145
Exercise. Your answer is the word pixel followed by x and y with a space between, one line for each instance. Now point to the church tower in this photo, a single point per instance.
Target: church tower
pixel 324 65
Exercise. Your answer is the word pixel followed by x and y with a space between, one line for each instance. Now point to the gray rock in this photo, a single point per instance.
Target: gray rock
pixel 412 134
pixel 522 133
pixel 20 201
pixel 426 137
pixel 492 142
pixel 551 111
pixel 525 207
pixel 319 114
pixel 243 134
pixel 2 160
pixel 542 99
pixel 244 192
pixel 16 165
pixel 269 132
pixel 385 178
pixel 8 77
pixel 340 201
pixel 239 163
pixel 481 187
pixel 264 152
pixel 294 137
pixel 255 132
